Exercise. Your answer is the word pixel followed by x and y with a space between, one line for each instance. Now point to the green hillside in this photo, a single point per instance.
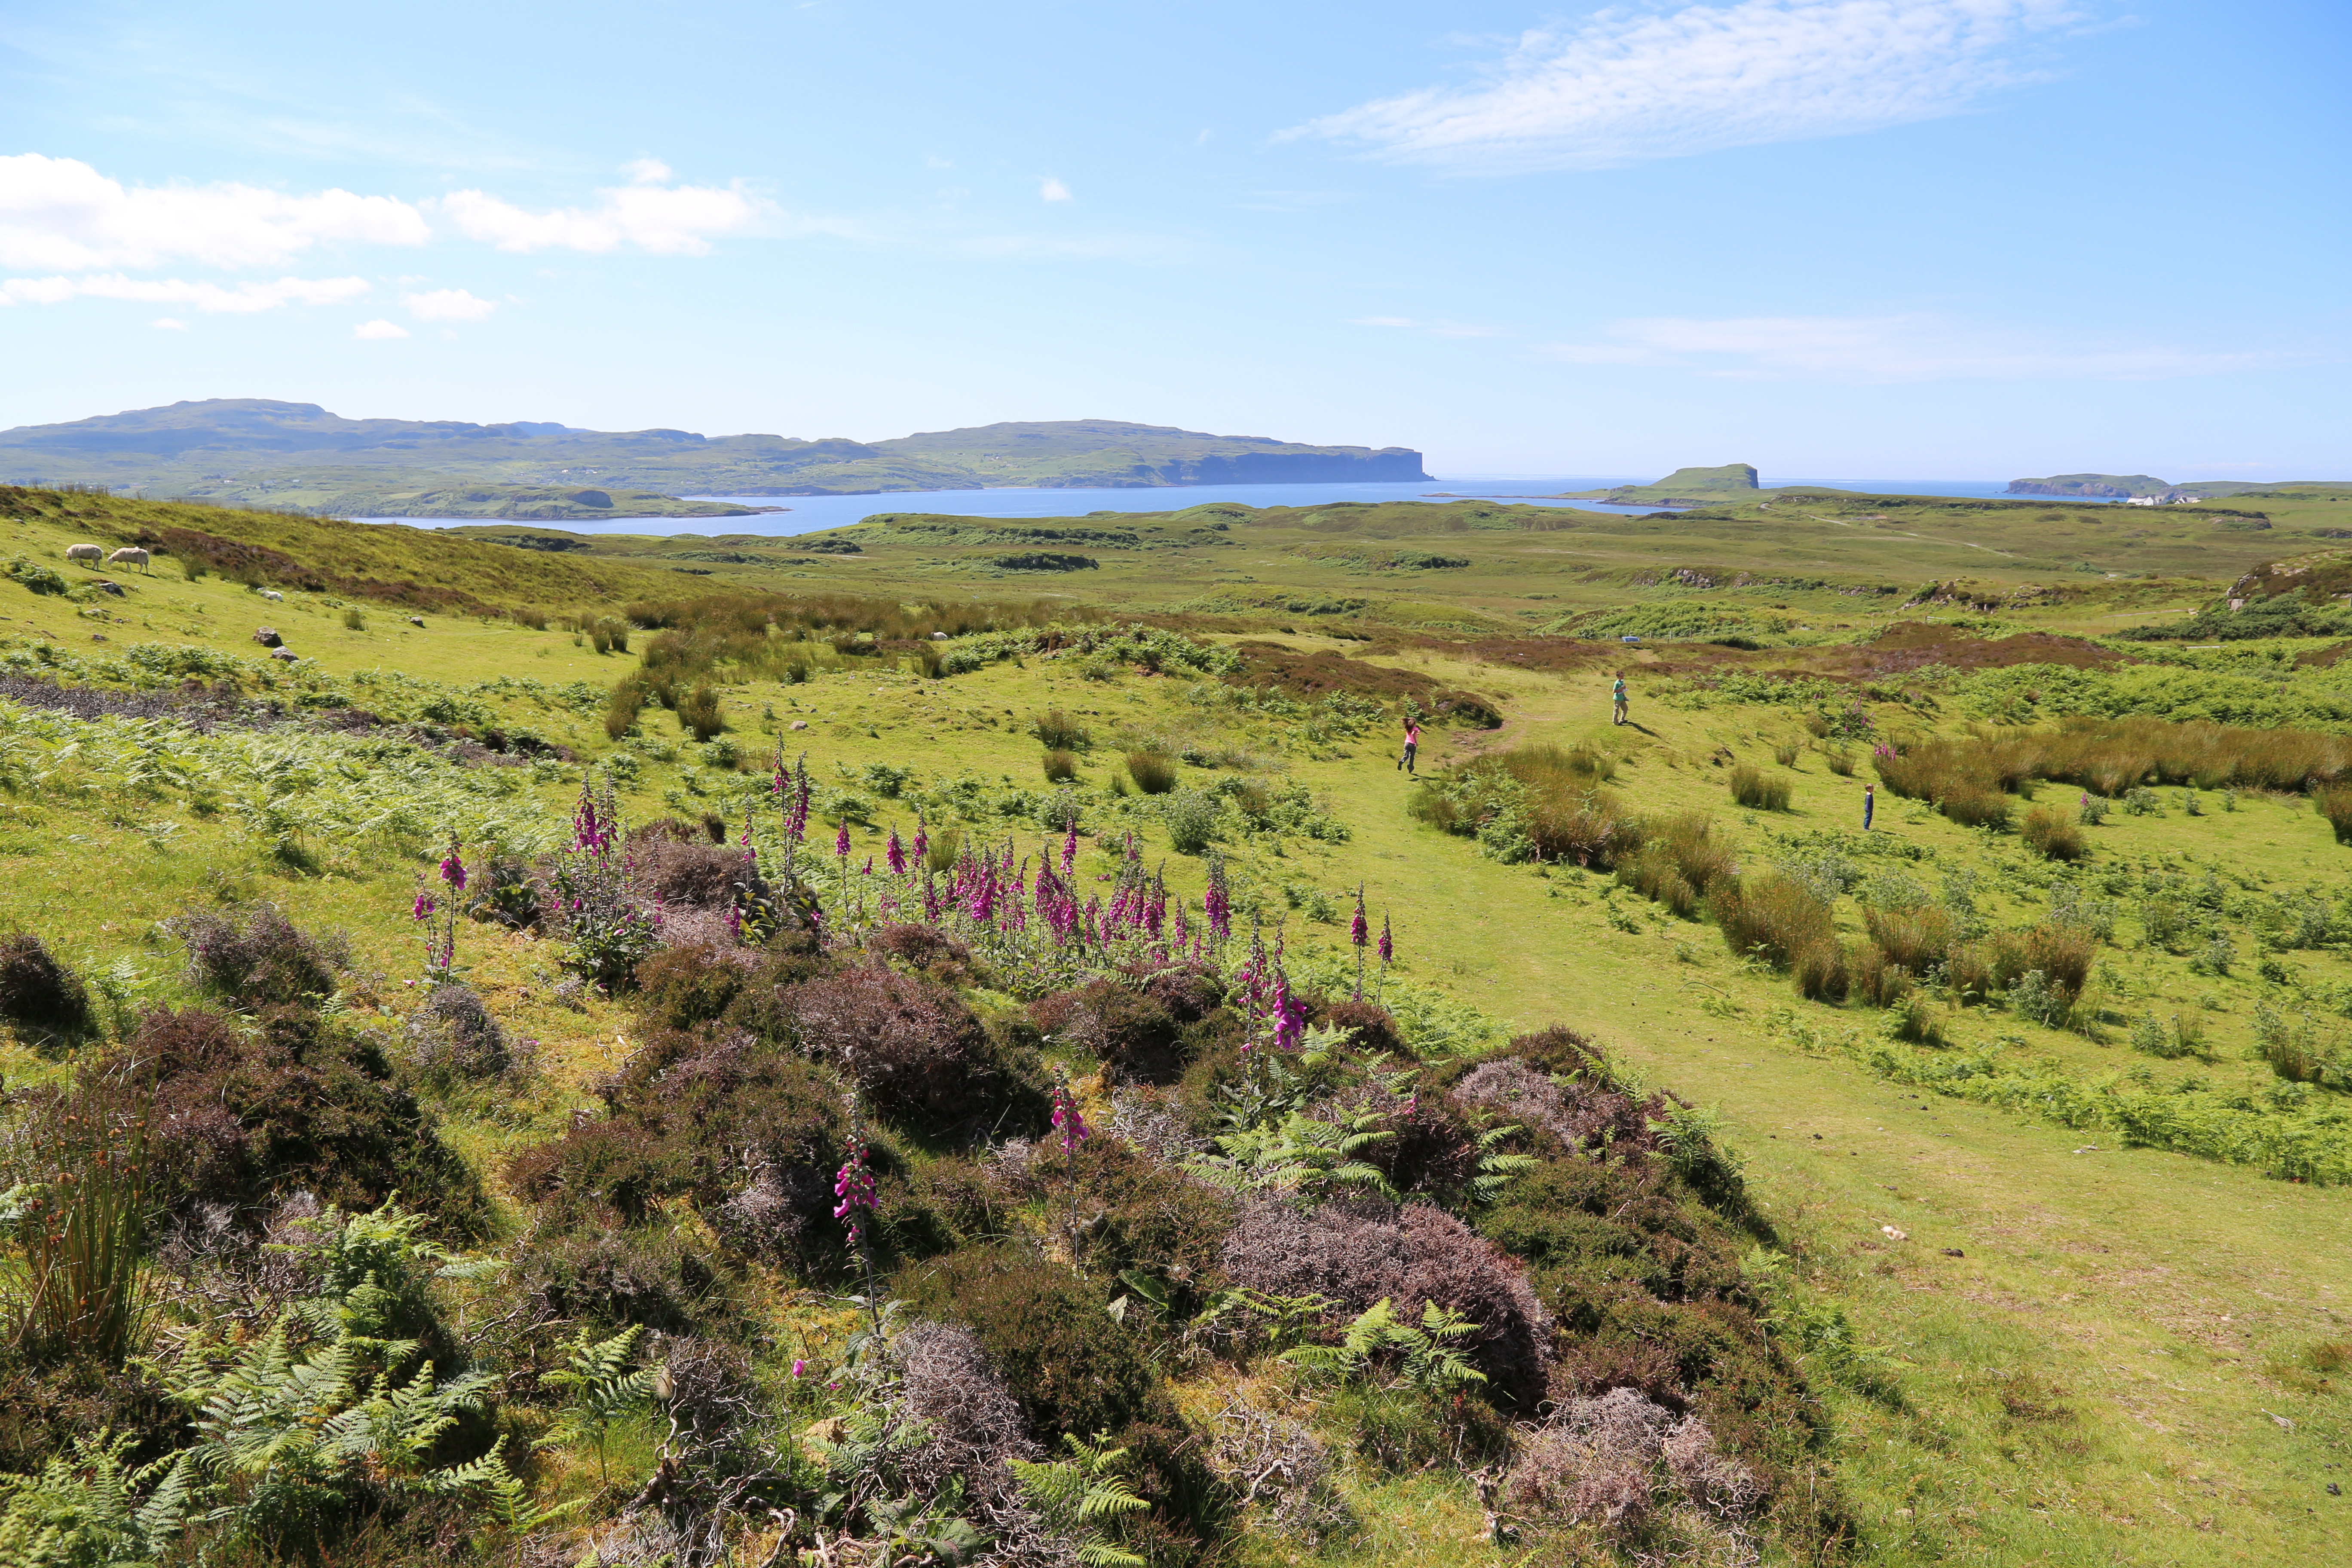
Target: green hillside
pixel 1670 1170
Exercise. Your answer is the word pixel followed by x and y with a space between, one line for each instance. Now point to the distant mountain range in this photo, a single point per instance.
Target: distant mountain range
pixel 249 450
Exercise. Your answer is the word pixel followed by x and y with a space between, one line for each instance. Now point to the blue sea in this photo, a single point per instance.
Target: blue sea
pixel 808 514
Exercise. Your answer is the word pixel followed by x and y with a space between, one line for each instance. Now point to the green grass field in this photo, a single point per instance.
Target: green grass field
pixel 2073 1339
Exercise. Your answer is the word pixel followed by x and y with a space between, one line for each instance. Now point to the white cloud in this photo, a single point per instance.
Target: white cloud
pixel 166 324
pixel 645 172
pixel 213 299
pixel 1628 85
pixel 1879 350
pixel 447 305
pixel 667 220
pixel 379 328
pixel 1437 328
pixel 62 214
pixel 1050 189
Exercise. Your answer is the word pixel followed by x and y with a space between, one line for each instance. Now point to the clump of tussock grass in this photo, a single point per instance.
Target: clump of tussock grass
pixel 2049 833
pixel 1679 859
pixel 1059 731
pixel 1061 766
pixel 1154 773
pixel 1753 788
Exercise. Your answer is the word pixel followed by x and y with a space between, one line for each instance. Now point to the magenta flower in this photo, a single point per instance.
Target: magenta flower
pixel 799 1367
pixel 424 907
pixel 453 869
pixel 854 1185
pixel 840 840
pixel 1388 944
pixel 1070 847
pixel 1067 1118
pixel 922 839
pixel 897 855
pixel 869 867
pixel 1359 929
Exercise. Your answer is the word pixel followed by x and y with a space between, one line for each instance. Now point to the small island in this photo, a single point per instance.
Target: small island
pixel 1684 486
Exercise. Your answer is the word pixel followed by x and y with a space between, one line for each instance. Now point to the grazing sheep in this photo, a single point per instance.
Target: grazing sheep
pixel 273 595
pixel 416 620
pixel 90 553
pixel 129 555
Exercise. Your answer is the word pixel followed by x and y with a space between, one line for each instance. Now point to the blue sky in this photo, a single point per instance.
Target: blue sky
pixel 1868 238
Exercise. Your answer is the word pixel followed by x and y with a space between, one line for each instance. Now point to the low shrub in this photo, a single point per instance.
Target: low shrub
pixel 678 867
pixel 928 950
pixel 1154 773
pixel 1190 815
pixel 261 961
pixel 2049 833
pixel 1356 1253
pixel 1753 788
pixel 240 1118
pixel 609 1278
pixel 747 1133
pixel 678 987
pixel 40 995
pixel 1061 767
pixel 1678 862
pixel 453 1034
pixel 1059 731
pixel 1785 753
pixel 1073 1367
pixel 914 1051
pixel 1138 1215
pixel 1841 761
pixel 1134 1035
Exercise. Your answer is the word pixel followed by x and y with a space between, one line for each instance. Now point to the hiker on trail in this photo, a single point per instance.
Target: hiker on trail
pixel 1617 698
pixel 1412 743
pixel 1869 804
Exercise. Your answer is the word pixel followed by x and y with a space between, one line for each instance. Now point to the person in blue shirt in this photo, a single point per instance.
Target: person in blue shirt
pixel 1869 804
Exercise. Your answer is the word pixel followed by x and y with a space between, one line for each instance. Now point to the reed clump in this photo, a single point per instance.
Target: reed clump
pixel 1753 788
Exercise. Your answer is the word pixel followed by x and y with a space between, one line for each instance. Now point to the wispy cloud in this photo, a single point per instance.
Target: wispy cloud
pixel 650 215
pixel 1627 86
pixel 379 329
pixel 215 299
pixel 1436 328
pixel 1880 350
pixel 62 214
pixel 447 305
pixel 168 324
pixel 1050 189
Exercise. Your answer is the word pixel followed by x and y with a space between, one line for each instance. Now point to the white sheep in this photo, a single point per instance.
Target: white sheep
pixel 129 555
pixel 273 595
pixel 90 553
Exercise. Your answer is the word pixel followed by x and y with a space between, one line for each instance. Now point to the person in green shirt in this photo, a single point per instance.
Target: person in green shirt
pixel 1617 698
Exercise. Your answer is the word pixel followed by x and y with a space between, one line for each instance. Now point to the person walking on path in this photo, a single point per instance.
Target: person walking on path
pixel 1412 743
pixel 1869 804
pixel 1617 700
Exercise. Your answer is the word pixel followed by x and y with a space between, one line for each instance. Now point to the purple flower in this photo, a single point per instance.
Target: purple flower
pixel 1359 929
pixel 922 839
pixel 424 907
pixel 1388 944
pixel 453 869
pixel 854 1185
pixel 840 840
pixel 897 855
pixel 1067 1118
pixel 799 1367
pixel 1070 847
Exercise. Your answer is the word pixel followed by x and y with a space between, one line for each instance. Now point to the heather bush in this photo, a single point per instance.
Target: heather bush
pixel 651 1275
pixel 1752 787
pixel 914 1051
pixel 690 872
pixel 1072 1366
pixel 929 950
pixel 453 1034
pixel 1138 1216
pixel 1135 1037
pixel 1431 1151
pixel 40 996
pixel 1357 1252
pixel 749 1134
pixel 261 960
pixel 1370 1029
pixel 678 987
pixel 240 1118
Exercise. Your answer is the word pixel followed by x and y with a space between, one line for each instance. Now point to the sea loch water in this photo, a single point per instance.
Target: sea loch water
pixel 808 514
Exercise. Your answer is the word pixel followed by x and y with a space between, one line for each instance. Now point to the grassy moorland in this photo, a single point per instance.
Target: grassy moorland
pixel 1995 1215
